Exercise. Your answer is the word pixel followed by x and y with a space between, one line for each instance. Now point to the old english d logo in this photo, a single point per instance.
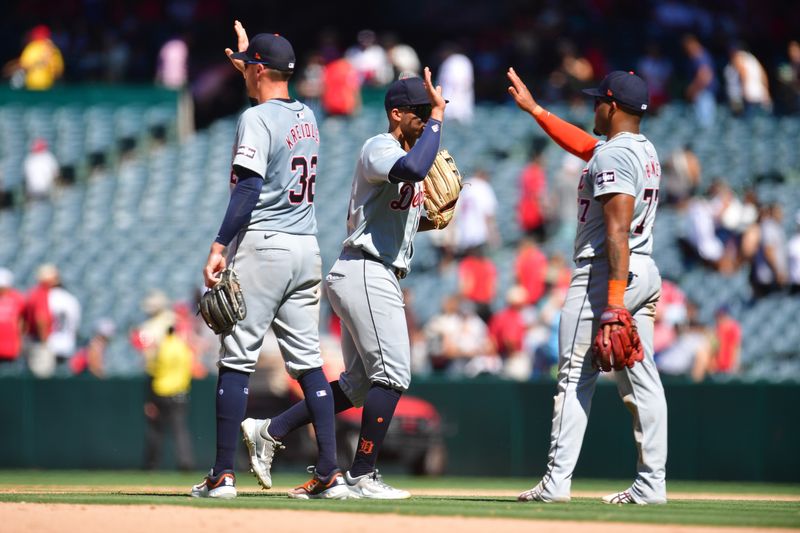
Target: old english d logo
pixel 365 446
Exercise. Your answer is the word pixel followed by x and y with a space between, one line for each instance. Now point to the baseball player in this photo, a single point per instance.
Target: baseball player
pixel 363 285
pixel 614 277
pixel 268 236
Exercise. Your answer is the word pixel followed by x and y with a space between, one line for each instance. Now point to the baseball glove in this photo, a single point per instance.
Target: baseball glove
pixel 624 347
pixel 442 187
pixel 223 305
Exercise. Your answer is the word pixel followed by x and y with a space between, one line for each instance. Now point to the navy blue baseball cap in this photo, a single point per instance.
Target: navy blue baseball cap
pixel 625 88
pixel 271 50
pixel 406 92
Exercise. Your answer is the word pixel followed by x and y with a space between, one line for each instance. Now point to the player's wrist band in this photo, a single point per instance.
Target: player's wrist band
pixel 616 292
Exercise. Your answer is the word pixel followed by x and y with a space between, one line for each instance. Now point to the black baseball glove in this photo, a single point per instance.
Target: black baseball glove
pixel 223 305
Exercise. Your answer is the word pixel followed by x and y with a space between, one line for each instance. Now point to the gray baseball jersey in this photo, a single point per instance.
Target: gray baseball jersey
pixel 383 217
pixel 362 285
pixel 626 164
pixel 276 256
pixel 279 140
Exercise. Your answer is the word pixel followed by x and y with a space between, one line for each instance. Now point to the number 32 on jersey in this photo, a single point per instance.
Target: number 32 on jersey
pixel 306 170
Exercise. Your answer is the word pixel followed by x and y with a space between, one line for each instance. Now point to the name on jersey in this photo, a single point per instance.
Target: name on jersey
pixel 304 130
pixel 653 169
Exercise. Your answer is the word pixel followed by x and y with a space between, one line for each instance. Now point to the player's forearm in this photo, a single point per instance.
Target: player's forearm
pixel 414 166
pixel 618 256
pixel 571 138
pixel 617 216
pixel 243 199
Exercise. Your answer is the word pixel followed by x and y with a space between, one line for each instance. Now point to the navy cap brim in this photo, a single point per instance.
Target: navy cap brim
pixel 427 101
pixel 241 55
pixel 593 92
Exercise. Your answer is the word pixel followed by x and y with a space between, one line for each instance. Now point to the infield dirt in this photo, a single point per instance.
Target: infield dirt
pixel 57 518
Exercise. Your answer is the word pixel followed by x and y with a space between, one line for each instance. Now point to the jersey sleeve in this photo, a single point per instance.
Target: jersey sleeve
pixel 613 171
pixel 378 157
pixel 252 143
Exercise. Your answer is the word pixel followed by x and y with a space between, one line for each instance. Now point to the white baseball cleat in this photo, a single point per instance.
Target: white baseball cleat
pixel 330 487
pixel 536 494
pixel 261 449
pixel 620 498
pixel 371 486
pixel 626 496
pixel 222 486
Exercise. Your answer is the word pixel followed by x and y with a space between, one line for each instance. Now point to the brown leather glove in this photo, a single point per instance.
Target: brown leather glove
pixel 624 348
pixel 442 187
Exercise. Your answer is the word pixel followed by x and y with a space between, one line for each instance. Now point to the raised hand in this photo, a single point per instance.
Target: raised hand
pixel 520 93
pixel 242 43
pixel 435 94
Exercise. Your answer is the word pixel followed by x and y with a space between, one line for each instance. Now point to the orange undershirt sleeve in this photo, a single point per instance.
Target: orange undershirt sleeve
pixel 571 138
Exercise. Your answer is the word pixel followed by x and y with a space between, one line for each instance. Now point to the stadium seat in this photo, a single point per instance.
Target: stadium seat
pixel 110 233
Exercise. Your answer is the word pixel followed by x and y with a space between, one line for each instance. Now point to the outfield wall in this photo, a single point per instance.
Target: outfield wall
pixel 716 431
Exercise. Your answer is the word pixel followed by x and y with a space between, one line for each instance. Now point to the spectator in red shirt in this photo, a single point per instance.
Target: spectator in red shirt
pixel 90 359
pixel 507 329
pixel 39 322
pixel 12 306
pixel 531 269
pixel 477 278
pixel 532 195
pixel 341 88
pixel 507 326
pixel 729 343
pixel 671 311
pixel 559 273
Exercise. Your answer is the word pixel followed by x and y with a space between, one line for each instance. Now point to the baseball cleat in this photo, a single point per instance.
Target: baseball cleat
pixel 261 449
pixel 536 494
pixel 372 486
pixel 620 498
pixel 222 486
pixel 330 487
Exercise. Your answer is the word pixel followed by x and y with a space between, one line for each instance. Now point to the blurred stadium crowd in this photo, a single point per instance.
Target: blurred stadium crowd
pixel 560 46
pixel 107 212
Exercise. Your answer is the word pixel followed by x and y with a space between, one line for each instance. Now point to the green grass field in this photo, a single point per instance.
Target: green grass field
pixel 481 500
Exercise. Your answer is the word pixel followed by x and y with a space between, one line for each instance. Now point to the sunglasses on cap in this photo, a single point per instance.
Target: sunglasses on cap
pixel 423 111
